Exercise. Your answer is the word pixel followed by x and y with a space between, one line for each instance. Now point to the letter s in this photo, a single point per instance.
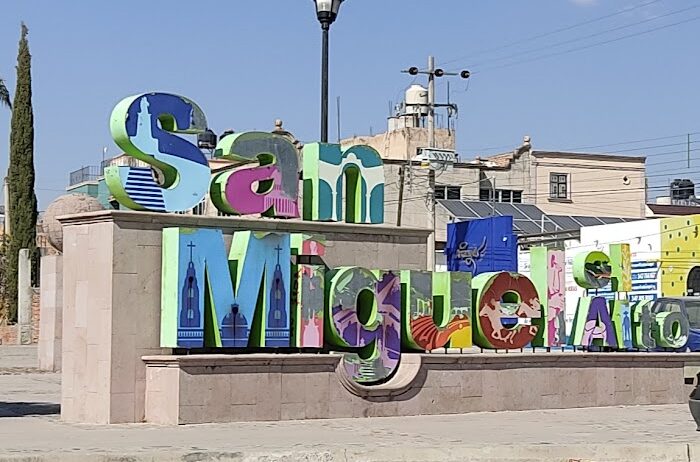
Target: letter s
pixel 143 127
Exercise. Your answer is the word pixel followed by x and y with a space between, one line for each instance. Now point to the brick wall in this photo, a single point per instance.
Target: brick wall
pixel 9 332
pixel 36 305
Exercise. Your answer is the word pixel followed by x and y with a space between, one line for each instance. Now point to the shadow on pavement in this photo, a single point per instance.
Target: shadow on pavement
pixel 21 409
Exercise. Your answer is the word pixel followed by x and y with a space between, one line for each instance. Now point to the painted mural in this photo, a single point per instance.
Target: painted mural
pixel 144 126
pixel 437 309
pixel 680 253
pixel 507 312
pixel 343 185
pixel 276 176
pixel 365 314
pixel 482 246
pixel 548 276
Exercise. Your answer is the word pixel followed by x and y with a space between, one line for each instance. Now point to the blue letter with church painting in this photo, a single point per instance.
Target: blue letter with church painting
pixel 197 292
pixel 178 176
pixel 199 306
pixel 343 185
pixel 261 265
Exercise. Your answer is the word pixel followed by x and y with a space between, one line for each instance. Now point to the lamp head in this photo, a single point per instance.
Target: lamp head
pixel 327 11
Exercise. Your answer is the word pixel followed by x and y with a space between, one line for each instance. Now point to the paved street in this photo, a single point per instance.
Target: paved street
pixel 30 430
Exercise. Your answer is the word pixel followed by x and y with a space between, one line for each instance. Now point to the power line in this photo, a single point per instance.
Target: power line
pixel 552 32
pixel 572 50
pixel 622 143
pixel 585 37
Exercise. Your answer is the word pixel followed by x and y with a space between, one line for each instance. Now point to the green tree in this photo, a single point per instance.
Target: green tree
pixel 23 206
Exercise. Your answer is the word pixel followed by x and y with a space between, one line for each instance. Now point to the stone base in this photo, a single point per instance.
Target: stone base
pixel 229 388
pixel 25 335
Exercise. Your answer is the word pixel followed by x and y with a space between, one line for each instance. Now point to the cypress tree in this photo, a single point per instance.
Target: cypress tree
pixel 23 205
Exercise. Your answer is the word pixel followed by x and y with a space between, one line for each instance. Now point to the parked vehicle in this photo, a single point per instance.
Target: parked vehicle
pixel 690 306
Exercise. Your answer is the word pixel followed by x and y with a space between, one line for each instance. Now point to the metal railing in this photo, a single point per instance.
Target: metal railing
pixel 88 173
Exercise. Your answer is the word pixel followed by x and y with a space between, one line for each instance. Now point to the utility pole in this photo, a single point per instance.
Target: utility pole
pixel 402 176
pixel 432 73
pixel 431 101
pixel 433 203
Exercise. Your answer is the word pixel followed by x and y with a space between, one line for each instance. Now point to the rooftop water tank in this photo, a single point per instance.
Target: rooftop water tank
pixel 682 189
pixel 417 100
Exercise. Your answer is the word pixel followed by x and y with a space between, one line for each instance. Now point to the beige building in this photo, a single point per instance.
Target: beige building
pixel 557 183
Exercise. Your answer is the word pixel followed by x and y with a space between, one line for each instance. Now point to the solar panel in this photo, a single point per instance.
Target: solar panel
pixel 607 220
pixel 508 209
pixel 531 211
pixel 527 218
pixel 565 223
pixel 482 209
pixel 588 221
pixel 549 226
pixel 457 208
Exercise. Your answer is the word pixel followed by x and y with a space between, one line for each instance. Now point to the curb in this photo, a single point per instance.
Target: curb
pixel 669 452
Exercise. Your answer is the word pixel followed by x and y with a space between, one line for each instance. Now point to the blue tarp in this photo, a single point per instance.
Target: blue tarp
pixel 482 245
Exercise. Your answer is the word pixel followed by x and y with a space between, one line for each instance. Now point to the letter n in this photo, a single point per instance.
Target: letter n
pixel 343 185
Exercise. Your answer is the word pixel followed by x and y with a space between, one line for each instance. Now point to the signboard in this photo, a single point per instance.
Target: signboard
pixel 256 292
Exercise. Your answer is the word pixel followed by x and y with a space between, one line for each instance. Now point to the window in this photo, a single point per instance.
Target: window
pixel 558 185
pixel 448 192
pixel 502 195
pixel 693 309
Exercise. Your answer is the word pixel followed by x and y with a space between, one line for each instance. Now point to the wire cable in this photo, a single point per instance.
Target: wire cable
pixel 553 32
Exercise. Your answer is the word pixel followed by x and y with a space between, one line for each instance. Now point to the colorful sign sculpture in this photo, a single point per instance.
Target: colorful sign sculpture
pixel 507 311
pixel 272 290
pixel 259 294
pixel 277 176
pixel 430 296
pixel 339 185
pixel 547 275
pixel 343 186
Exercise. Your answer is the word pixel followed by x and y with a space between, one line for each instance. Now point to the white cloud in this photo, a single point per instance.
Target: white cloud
pixel 584 2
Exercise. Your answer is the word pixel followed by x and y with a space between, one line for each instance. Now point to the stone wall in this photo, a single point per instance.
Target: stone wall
pixel 111 295
pixel 227 388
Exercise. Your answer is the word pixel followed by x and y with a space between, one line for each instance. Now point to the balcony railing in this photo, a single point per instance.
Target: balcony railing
pixel 88 173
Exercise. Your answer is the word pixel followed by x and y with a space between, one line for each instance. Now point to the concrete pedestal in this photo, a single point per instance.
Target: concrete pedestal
pixel 51 317
pixel 111 295
pixel 225 388
pixel 24 297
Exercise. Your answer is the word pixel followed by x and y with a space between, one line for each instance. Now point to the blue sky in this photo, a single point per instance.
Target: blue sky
pixel 247 62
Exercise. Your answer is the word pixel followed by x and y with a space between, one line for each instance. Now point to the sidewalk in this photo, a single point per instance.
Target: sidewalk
pixel 32 432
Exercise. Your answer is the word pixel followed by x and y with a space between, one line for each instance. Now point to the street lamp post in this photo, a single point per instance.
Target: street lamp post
pixel 327 12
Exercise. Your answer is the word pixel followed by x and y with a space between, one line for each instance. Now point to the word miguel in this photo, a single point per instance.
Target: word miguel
pixel 257 293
